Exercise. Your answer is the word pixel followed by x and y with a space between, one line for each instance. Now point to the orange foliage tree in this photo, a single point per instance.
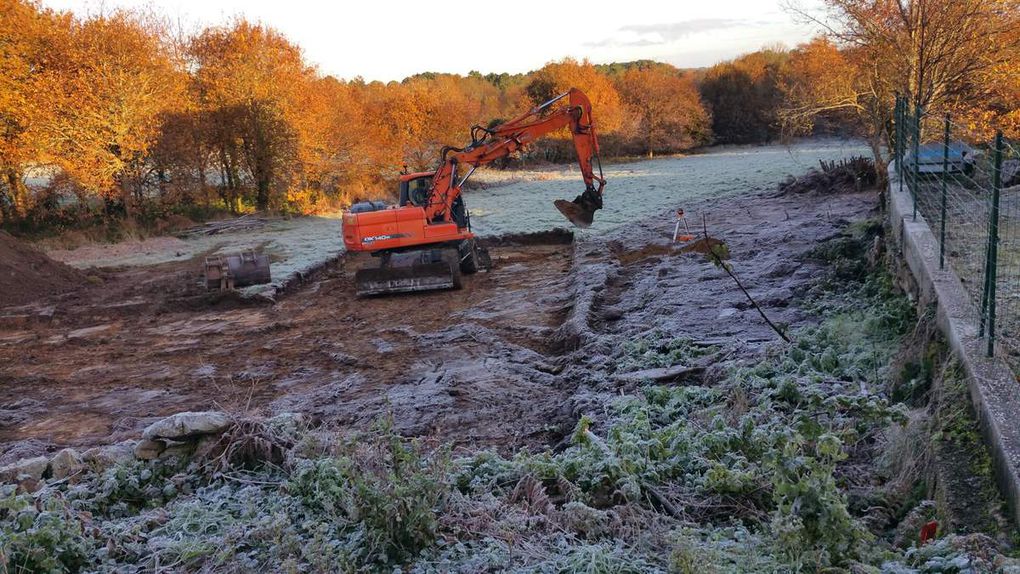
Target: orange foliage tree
pixel 27 34
pixel 941 54
pixel 248 81
pixel 668 108
pixel 558 77
pixel 106 91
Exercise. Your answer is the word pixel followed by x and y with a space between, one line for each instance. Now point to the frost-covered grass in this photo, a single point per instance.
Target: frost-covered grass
pixel 521 201
pixel 756 470
pixel 295 246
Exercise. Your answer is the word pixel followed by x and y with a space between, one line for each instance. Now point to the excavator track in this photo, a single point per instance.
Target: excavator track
pixel 424 270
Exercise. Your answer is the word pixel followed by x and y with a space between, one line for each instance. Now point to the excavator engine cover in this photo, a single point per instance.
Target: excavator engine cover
pixel 422 270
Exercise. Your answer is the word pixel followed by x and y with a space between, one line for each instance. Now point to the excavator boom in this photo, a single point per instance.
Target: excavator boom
pixel 430 225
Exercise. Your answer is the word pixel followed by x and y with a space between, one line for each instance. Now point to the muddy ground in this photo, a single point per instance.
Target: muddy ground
pixel 509 361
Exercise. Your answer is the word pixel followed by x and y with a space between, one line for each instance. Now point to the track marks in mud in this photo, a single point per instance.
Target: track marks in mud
pixel 477 365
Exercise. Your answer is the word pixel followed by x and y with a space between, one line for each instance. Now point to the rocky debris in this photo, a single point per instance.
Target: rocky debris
pixel 177 449
pixel 66 463
pixel 103 457
pixel 26 473
pixel 148 449
pixel 189 425
pixel 676 373
pixel 181 435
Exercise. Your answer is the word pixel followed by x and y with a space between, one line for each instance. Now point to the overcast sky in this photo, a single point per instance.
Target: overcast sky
pixel 388 40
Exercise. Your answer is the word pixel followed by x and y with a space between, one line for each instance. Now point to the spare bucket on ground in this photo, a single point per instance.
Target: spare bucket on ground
pixel 237 270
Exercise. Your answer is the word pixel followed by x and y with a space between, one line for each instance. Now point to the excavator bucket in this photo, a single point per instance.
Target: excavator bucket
pixel 578 214
pixel 406 273
pixel 581 211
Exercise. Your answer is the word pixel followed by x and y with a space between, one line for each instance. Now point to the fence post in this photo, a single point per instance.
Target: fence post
pixel 993 241
pixel 945 176
pixel 900 144
pixel 917 156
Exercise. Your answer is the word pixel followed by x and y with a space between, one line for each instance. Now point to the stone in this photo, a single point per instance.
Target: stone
pixel 290 423
pixel 66 463
pixel 177 449
pixel 25 470
pixel 103 457
pixel 149 449
pixel 188 425
pixel 344 359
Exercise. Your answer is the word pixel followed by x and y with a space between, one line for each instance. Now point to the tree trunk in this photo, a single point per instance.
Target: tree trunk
pixel 127 198
pixel 17 191
pixel 262 199
pixel 881 165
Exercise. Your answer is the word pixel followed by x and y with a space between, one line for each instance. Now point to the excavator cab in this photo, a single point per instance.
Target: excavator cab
pixel 414 189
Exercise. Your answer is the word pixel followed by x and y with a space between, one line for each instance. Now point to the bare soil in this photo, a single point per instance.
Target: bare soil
pixel 26 274
pixel 509 361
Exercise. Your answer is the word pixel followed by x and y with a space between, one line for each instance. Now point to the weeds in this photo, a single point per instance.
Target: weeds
pixel 40 537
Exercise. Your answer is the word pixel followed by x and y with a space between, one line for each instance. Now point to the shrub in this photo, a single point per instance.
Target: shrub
pixel 45 537
pixel 382 495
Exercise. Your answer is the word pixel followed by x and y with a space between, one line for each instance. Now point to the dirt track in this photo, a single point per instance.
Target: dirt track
pixel 509 361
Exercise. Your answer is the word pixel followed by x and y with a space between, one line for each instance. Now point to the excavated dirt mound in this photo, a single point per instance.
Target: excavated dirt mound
pixel 27 274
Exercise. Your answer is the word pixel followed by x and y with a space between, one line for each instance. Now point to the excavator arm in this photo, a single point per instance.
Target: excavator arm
pixel 425 242
pixel 490 144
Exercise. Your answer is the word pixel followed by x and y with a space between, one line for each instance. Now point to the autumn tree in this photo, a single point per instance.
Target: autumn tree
pixel 106 91
pixel 247 81
pixel 822 81
pixel 939 53
pixel 670 114
pixel 27 34
pixel 744 98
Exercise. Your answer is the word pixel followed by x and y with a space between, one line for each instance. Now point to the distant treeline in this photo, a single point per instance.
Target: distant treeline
pixel 126 117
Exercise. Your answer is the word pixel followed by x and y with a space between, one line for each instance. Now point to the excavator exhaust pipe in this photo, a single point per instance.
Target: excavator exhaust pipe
pixel 581 211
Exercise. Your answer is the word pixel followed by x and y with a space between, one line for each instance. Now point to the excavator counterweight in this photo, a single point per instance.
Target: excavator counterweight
pixel 425 241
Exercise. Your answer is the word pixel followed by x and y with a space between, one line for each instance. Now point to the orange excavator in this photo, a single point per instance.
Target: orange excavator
pixel 425 241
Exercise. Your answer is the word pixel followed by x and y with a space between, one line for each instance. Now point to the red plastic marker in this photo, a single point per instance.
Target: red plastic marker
pixel 928 532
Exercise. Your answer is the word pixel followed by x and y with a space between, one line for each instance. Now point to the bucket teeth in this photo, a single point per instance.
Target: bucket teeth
pixel 424 277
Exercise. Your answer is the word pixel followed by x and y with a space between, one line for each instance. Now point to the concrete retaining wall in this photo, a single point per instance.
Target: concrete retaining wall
pixel 994 389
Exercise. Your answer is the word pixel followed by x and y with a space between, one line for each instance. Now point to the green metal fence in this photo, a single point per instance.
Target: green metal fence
pixel 966 186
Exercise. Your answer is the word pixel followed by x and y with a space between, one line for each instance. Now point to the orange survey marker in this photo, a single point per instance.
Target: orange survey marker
pixel 680 217
pixel 928 532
